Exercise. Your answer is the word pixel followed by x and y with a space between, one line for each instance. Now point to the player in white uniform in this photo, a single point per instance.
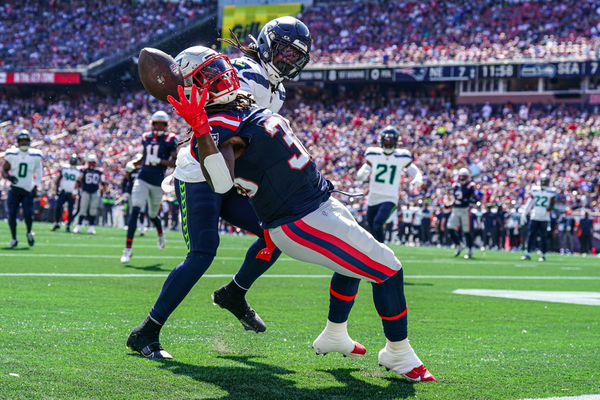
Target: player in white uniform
pixel 65 189
pixel 23 168
pixel 384 165
pixel 540 204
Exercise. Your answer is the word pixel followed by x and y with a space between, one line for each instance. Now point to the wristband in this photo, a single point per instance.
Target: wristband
pixel 201 130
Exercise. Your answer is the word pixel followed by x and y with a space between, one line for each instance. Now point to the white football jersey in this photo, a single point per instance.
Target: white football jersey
pixel 69 176
pixel 541 200
pixel 386 172
pixel 26 166
pixel 254 81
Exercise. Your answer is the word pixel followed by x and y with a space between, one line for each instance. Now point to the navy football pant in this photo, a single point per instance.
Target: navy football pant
pixel 376 217
pixel 63 198
pixel 537 228
pixel 200 211
pixel 17 197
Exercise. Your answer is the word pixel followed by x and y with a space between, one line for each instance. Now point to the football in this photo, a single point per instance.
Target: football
pixel 159 73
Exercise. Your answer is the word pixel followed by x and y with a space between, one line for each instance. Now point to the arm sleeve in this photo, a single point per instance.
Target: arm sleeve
pixel 416 173
pixel 38 173
pixel 364 172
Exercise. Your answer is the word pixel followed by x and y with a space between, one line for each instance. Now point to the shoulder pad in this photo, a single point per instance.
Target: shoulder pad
pixel 402 153
pixel 471 185
pixel 35 152
pixel 535 188
pixel 146 135
pixel 225 120
pixel 171 137
pixel 256 77
pixel 373 151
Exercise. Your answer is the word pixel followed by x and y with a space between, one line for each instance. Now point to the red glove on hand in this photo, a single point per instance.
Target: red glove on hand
pixel 192 111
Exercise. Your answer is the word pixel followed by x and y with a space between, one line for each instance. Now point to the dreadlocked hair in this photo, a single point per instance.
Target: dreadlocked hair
pixel 241 102
pixel 250 51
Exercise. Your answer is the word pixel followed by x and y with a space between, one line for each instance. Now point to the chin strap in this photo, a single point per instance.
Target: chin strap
pixel 267 252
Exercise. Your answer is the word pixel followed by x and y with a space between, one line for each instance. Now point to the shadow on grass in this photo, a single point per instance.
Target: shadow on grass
pixel 16 248
pixel 258 380
pixel 152 267
pixel 417 284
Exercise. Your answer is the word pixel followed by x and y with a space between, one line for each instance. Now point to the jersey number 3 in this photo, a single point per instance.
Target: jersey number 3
pixel 275 123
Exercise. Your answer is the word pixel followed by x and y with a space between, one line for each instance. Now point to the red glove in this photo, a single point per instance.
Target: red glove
pixel 192 111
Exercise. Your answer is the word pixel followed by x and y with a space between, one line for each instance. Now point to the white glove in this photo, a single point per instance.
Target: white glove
pixel 152 159
pixel 416 183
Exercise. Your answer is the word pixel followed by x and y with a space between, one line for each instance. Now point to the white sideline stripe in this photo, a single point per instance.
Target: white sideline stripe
pixel 117 256
pixel 582 397
pixel 486 277
pixel 583 298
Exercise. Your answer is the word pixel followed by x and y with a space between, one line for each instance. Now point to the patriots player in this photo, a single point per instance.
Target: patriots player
pixel 292 200
pixel 463 193
pixel 23 168
pixel 65 188
pixel 89 183
pixel 160 152
pixel 384 165
pixel 132 170
pixel 540 204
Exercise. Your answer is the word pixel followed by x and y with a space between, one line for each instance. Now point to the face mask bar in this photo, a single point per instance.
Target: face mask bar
pixel 288 59
pixel 217 75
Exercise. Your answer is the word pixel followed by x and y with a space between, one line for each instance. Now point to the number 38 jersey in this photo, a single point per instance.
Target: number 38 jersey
pixel 541 198
pixel 23 166
pixel 386 172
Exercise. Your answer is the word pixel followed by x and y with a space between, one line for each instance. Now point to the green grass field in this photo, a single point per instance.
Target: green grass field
pixel 68 304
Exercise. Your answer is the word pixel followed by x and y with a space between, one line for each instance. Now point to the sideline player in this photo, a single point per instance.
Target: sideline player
pixel 23 168
pixel 540 203
pixel 65 188
pixel 89 184
pixel 160 152
pixel 463 193
pixel 384 165
pixel 298 214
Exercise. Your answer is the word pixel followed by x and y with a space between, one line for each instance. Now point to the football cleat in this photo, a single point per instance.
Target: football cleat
pixel 13 244
pixel 148 346
pixel 338 342
pixel 542 258
pixel 126 255
pixel 142 230
pixel 401 362
pixel 30 239
pixel 161 241
pixel 525 257
pixel 68 228
pixel 239 307
pixel 469 255
pixel 91 230
pixel 55 227
pixel 458 250
pixel 77 229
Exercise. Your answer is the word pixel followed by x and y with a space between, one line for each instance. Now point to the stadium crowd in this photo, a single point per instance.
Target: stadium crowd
pixel 505 148
pixel 59 34
pixel 402 31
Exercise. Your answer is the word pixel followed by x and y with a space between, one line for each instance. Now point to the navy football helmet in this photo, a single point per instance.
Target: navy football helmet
pixel 74 159
pixel 389 138
pixel 24 140
pixel 284 48
pixel 544 180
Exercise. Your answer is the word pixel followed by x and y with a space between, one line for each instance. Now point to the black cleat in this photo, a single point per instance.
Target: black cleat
pixel 146 344
pixel 68 228
pixel 13 244
pixel 55 227
pixel 30 239
pixel 239 307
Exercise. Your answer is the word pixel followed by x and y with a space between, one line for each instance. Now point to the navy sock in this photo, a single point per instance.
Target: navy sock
pixel 157 224
pixel 179 283
pixel 342 291
pixel 92 220
pixel 469 240
pixel 132 226
pixel 454 236
pixel 390 303
pixel 12 224
pixel 253 267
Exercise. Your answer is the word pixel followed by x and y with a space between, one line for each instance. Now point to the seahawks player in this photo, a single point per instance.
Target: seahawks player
pixel 540 203
pixel 463 193
pixel 65 188
pixel 23 168
pixel 384 165
pixel 89 183
pixel 160 152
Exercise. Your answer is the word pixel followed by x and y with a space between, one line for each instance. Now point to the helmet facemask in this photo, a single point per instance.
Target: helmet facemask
pixel 287 59
pixel 217 76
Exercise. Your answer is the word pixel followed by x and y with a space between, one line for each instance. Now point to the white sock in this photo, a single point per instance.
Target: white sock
pixel 334 327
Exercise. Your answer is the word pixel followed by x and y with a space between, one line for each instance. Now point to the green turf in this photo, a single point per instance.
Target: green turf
pixel 65 336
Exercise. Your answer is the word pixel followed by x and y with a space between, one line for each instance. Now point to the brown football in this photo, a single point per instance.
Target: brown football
pixel 159 73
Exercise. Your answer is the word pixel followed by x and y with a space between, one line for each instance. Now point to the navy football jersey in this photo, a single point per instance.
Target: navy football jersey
pixel 463 194
pixel 127 184
pixel 156 148
pixel 90 180
pixel 283 183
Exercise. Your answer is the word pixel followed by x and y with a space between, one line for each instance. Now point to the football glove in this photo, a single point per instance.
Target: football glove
pixel 191 110
pixel 13 179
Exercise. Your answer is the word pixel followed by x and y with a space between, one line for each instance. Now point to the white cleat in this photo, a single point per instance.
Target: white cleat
pixel 77 229
pixel 126 255
pixel 142 230
pixel 404 362
pixel 160 241
pixel 91 230
pixel 469 255
pixel 338 342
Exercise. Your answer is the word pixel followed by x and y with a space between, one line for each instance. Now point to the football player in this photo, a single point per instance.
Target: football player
pixel 384 165
pixel 23 168
pixel 298 214
pixel 160 152
pixel 464 195
pixel 65 188
pixel 89 184
pixel 540 203
pixel 132 170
